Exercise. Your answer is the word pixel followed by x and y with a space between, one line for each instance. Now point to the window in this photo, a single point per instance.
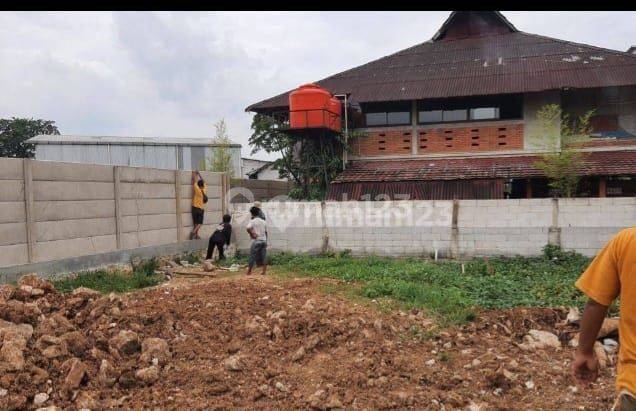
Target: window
pixel 484 113
pixel 376 119
pixel 430 116
pixel 398 117
pixel 470 109
pixel 387 114
pixel 454 115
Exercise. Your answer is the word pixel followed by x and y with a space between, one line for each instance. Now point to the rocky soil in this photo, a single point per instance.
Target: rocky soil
pixel 263 343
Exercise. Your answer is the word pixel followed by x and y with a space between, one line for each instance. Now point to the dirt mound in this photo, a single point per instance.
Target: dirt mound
pixel 260 343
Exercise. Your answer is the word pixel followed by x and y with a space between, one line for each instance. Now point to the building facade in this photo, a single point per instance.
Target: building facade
pixel 155 152
pixel 456 116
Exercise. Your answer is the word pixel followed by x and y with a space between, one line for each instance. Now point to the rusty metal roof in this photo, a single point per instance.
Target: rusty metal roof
pixel 511 62
pixel 593 163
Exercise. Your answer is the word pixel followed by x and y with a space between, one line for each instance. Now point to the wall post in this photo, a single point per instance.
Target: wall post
pixel 454 247
pixel 118 211
pixel 177 196
pixel 554 232
pixel 325 230
pixel 28 205
pixel 225 187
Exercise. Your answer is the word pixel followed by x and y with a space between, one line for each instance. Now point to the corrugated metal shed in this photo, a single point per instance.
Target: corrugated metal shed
pixel 508 62
pixel 155 152
pixel 125 140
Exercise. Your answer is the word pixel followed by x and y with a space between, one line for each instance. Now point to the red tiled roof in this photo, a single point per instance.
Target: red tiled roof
pixel 512 62
pixel 594 163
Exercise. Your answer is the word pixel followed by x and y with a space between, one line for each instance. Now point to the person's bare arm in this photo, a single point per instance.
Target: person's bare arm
pixel 585 365
pixel 252 233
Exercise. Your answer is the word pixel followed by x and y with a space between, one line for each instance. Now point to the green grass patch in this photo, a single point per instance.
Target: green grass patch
pixel 443 290
pixel 112 281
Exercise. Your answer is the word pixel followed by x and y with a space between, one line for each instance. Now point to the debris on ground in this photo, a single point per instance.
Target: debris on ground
pixel 263 343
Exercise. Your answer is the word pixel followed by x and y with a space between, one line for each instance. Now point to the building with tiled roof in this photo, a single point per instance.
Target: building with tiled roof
pixel 456 116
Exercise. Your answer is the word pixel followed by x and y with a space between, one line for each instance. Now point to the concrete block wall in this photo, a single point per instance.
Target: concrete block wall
pixel 405 228
pixel 464 228
pixel 13 230
pixel 52 210
pixel 292 226
pixel 587 224
pixel 414 228
pixel 509 227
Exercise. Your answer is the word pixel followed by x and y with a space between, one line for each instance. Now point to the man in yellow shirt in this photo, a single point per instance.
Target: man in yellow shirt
pixel 612 274
pixel 198 201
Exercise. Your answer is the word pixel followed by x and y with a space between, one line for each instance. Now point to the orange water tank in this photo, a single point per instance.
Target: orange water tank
pixel 311 106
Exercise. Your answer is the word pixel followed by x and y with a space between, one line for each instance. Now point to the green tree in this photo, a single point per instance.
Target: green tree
pixel 14 133
pixel 311 163
pixel 563 161
pixel 221 159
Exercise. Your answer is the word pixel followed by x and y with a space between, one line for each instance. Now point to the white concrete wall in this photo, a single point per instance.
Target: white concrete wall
pixel 508 227
pixel 419 228
pixel 587 224
pixel 75 209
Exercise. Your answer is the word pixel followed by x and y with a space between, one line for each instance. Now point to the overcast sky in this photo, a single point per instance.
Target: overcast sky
pixel 177 73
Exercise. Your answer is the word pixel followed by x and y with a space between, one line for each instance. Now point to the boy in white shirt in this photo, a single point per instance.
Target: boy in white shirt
pixel 257 229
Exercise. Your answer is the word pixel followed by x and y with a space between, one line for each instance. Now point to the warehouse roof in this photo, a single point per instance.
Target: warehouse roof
pixel 150 141
pixel 477 53
pixel 593 163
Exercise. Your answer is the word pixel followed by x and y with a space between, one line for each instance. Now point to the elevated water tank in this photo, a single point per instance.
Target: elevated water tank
pixel 311 106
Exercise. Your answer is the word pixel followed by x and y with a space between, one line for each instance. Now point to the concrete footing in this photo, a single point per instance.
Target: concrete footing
pixel 48 269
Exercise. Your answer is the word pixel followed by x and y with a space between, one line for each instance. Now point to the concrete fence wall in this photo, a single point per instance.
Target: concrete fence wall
pixel 50 210
pixel 455 229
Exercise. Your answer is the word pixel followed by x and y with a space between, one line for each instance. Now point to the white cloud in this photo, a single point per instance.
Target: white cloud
pixel 177 73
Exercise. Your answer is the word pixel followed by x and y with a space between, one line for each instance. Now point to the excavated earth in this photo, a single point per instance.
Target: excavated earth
pixel 267 343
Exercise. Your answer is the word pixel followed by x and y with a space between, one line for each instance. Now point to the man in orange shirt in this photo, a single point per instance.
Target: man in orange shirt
pixel 612 274
pixel 198 200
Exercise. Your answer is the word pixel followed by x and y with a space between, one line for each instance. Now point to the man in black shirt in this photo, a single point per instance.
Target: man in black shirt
pixel 220 238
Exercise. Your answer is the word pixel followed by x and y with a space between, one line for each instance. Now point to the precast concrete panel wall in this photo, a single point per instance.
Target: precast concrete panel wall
pixel 455 229
pixel 13 228
pixel 51 210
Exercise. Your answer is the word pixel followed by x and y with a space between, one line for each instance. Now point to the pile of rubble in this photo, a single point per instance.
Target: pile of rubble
pixel 54 345
pixel 262 343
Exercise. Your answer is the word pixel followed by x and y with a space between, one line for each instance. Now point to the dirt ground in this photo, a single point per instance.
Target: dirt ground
pixel 270 343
